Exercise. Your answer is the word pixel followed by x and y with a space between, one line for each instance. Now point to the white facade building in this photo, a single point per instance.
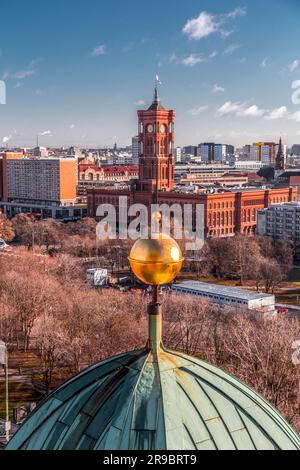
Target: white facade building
pixel 280 220
pixel 228 296
pixel 135 150
pixel 178 154
pixel 247 165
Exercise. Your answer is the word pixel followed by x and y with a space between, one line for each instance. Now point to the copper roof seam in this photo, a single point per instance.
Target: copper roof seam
pixel 248 432
pixel 133 392
pixel 162 400
pixel 217 410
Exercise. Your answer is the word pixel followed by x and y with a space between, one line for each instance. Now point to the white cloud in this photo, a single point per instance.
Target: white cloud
pixel 200 27
pixel 226 33
pixel 173 58
pixel 98 50
pixel 294 65
pixel 252 111
pixel 231 49
pixel 295 116
pixel 240 110
pixel 23 73
pixel 217 89
pixel 46 133
pixel 192 59
pixel 197 110
pixel 6 139
pixel 229 108
pixel 139 103
pixel 206 24
pixel 239 11
pixel 213 54
pixel 18 85
pixel 72 126
pixel 298 132
pixel 277 113
pixel 264 63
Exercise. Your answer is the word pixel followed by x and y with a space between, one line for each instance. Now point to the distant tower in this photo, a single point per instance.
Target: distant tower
pixel 279 163
pixel 156 140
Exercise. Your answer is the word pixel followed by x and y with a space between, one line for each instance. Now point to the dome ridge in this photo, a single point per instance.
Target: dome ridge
pixel 144 400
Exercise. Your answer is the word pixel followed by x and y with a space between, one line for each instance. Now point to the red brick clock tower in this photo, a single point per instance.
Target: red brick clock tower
pixel 156 140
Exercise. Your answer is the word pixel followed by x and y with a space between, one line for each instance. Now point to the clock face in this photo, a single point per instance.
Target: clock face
pixel 163 128
pixel 149 128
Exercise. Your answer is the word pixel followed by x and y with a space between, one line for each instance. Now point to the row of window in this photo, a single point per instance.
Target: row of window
pixel 220 218
pixel 210 296
pixel 221 205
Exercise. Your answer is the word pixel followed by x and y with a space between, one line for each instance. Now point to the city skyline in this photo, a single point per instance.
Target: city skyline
pixel 227 69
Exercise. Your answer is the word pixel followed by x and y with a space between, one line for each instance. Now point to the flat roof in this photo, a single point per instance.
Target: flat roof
pixel 216 289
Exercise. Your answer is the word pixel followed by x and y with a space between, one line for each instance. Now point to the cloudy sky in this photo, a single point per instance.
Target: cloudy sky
pixel 77 71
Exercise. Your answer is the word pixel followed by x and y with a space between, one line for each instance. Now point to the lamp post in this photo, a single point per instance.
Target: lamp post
pixel 4 362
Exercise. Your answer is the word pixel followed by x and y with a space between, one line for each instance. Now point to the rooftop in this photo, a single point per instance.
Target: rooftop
pixel 141 401
pixel 216 289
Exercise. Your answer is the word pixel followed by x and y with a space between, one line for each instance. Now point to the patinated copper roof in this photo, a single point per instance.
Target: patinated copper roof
pixel 141 400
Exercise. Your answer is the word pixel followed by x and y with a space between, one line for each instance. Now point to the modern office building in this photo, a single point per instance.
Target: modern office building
pixel 178 154
pixel 206 151
pixel 46 187
pixel 49 180
pixel 211 152
pixel 135 150
pixel 267 152
pixel 190 150
pixel 227 296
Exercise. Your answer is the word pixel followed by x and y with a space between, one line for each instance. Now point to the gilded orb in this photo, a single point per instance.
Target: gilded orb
pixel 156 261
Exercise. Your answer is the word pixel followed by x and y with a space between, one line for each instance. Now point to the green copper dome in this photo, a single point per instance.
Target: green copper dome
pixel 153 401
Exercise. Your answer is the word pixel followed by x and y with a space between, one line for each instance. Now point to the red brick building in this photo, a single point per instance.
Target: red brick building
pixel 107 174
pixel 226 213
pixel 156 141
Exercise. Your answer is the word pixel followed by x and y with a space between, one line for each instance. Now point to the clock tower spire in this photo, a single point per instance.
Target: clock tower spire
pixel 156 141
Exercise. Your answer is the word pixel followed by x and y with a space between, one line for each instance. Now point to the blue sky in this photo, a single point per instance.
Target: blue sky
pixel 76 71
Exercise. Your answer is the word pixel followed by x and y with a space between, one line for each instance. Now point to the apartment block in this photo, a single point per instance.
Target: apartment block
pixel 280 220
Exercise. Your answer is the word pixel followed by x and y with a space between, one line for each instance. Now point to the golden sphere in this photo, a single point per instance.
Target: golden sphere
pixel 156 261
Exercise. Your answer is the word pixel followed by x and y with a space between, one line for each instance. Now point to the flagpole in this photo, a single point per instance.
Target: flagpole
pixel 7 425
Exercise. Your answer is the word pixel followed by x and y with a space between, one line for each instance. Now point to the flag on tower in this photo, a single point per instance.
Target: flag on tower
pixel 157 80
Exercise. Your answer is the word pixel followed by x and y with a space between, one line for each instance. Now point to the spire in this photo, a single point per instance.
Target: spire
pixel 156 104
pixel 279 157
pixel 156 95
